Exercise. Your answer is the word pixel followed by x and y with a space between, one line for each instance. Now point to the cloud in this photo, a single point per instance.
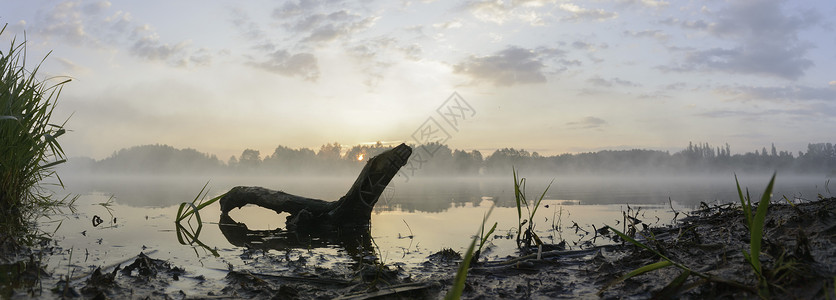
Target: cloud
pixel 148 46
pixel 448 25
pixel 655 95
pixel 645 3
pixel 376 55
pixel 335 30
pixel 96 7
pixel 307 25
pixel 89 25
pixel 655 34
pixel 324 27
pixel 676 86
pixel 318 24
pixel 578 14
pixel 511 66
pixel 589 122
pixel 71 66
pixel 766 39
pixel 64 21
pixel 245 26
pixel 601 82
pixel 533 12
pixel 282 62
pixel 581 45
pixel 693 25
pixel 297 8
pixel 751 113
pixel 783 93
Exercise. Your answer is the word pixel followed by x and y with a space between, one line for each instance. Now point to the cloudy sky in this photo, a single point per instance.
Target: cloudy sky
pixel 546 76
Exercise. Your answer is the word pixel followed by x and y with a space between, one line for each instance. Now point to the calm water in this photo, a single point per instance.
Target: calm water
pixel 412 219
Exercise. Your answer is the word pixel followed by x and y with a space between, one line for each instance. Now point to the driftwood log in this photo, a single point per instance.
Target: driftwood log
pixel 350 212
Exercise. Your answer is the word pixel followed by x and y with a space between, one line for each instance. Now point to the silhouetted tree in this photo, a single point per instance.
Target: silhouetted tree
pixel 285 160
pixel 250 159
pixel 330 151
pixel 367 151
pixel 441 160
pixel 158 159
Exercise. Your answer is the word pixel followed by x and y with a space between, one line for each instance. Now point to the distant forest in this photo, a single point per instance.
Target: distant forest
pixel 440 160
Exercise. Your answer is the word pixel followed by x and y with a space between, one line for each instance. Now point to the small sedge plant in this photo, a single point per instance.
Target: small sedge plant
pixel 755 224
pixel 483 239
pixel 525 238
pixel 189 236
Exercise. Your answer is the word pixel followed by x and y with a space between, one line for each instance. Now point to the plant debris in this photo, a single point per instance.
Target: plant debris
pixel 798 258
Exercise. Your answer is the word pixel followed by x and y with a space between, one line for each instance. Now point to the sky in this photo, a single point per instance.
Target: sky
pixel 547 76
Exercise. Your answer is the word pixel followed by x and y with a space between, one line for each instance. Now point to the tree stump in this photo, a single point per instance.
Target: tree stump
pixel 350 211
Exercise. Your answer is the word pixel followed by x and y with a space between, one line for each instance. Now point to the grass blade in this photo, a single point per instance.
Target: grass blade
pixel 517 194
pixel 672 289
pixel 486 236
pixel 637 272
pixel 537 205
pixel 635 242
pixel 757 225
pixel 744 203
pixel 455 292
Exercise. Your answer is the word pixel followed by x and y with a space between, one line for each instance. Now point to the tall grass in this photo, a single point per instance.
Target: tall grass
pixel 29 150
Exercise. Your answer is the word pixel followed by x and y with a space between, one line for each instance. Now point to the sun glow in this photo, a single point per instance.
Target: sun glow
pixel 360 157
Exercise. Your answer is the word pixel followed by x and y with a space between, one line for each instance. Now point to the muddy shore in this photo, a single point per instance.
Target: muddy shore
pixel 798 259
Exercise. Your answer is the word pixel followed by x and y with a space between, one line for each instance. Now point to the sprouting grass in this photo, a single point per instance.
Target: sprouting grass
pixel 107 205
pixel 755 224
pixel 525 238
pixel 196 205
pixel 483 238
pixel 190 235
pixel 29 150
pixel 456 290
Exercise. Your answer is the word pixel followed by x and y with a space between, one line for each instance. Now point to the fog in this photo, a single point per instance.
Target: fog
pixel 438 160
pixel 436 194
pixel 159 175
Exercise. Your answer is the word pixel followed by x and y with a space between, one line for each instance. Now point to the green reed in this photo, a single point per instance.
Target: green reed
pixel 30 149
pixel 754 223
pixel 525 238
pixel 456 290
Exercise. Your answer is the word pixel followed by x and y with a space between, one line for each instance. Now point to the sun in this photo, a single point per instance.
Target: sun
pixel 360 157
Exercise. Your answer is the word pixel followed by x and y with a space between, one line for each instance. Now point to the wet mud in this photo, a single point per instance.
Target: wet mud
pixel 798 259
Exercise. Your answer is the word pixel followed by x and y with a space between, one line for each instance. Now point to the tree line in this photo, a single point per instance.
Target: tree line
pixel 440 160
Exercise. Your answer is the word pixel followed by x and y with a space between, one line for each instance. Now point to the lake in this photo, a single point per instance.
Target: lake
pixel 413 218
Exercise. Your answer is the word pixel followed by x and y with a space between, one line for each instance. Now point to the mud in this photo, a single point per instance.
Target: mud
pixel 798 259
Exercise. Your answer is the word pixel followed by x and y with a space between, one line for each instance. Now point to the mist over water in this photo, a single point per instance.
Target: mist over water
pixel 436 194
pixel 414 217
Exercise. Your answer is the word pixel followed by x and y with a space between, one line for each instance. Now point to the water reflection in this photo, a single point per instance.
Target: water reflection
pixel 356 242
pixel 433 214
pixel 191 237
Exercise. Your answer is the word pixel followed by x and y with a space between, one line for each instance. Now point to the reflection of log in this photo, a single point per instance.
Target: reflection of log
pixel 356 243
pixel 352 210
